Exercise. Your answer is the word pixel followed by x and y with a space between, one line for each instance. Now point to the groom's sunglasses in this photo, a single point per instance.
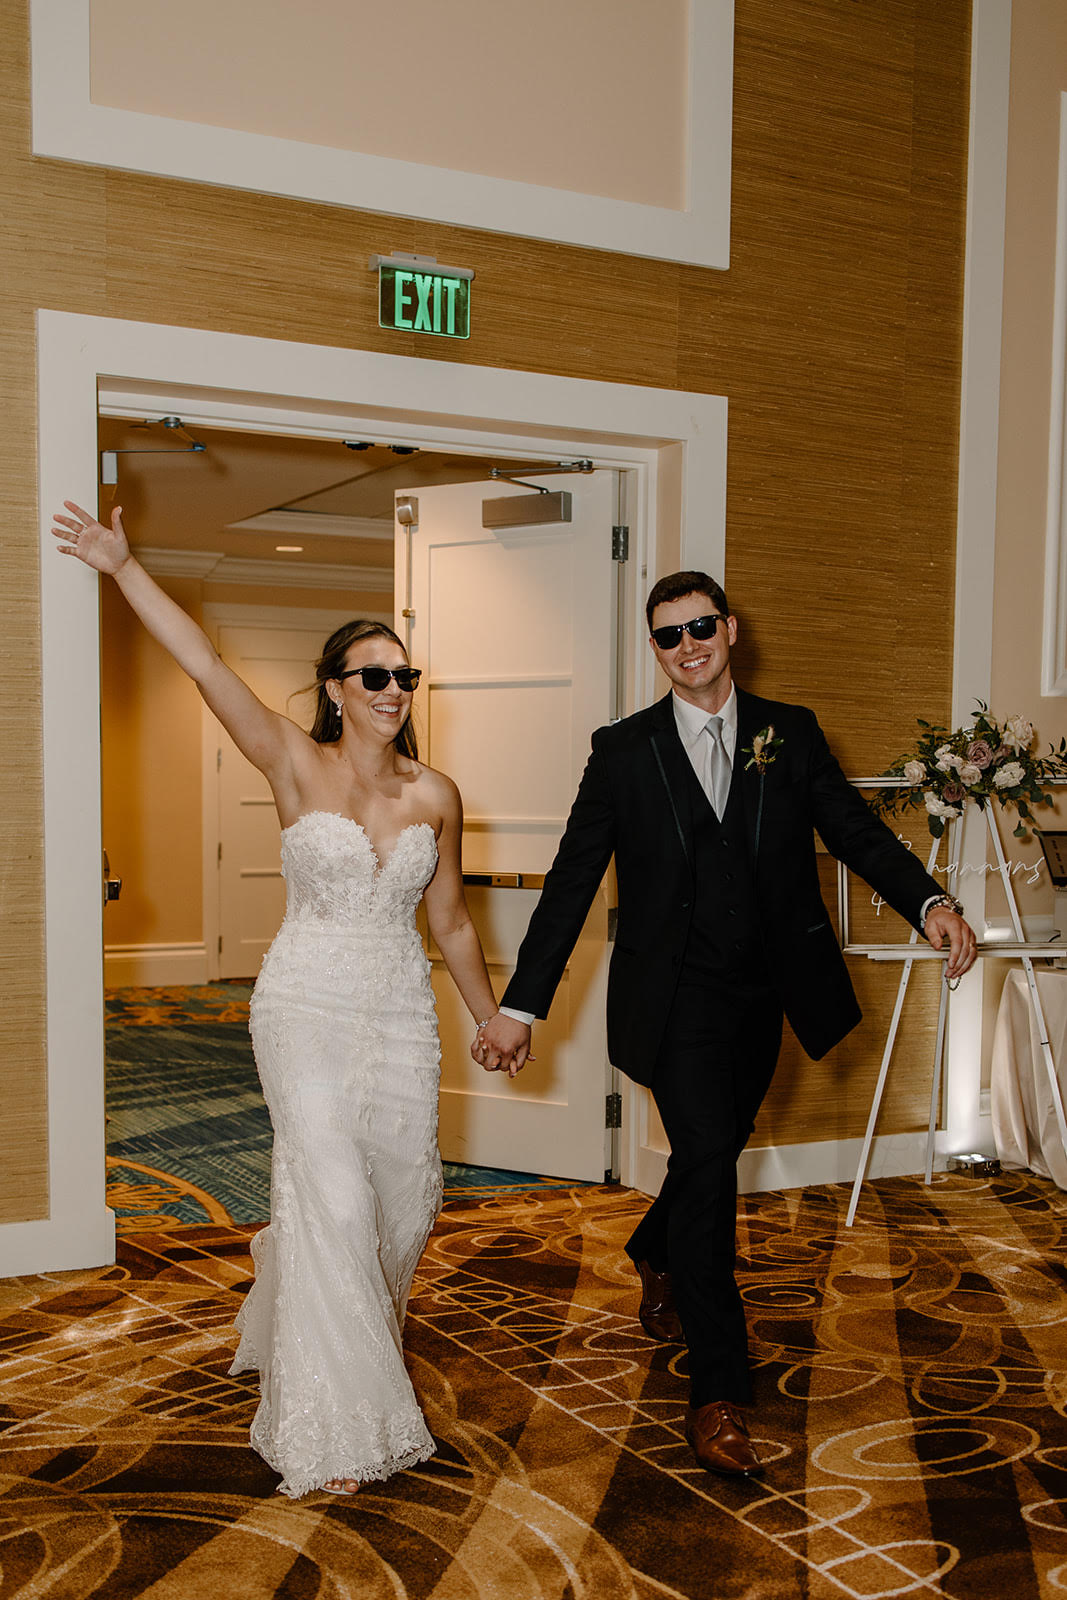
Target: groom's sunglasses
pixel 700 628
pixel 374 678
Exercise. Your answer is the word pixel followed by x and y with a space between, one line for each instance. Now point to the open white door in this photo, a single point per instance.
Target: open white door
pixel 515 631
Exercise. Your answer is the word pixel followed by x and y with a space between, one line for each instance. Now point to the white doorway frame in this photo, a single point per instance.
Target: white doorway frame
pixel 222 379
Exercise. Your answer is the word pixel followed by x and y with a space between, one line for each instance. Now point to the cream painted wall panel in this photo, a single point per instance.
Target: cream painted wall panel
pixel 150 724
pixel 588 97
pixel 1038 75
pixel 1031 371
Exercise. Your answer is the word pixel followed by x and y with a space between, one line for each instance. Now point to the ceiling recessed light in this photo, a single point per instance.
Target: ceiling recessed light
pixel 294 547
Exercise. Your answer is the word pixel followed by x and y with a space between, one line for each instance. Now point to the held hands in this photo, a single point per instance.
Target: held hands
pixel 942 924
pixel 502 1045
pixel 104 549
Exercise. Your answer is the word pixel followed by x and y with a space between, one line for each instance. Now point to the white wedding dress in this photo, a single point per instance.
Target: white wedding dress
pixel 345 1036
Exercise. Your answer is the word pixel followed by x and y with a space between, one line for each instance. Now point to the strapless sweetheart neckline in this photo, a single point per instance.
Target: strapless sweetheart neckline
pixel 379 864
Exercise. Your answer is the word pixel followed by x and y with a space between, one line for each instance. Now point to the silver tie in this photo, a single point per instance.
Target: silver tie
pixel 716 766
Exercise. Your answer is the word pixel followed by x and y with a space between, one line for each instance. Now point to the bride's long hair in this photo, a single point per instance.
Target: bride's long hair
pixel 326 729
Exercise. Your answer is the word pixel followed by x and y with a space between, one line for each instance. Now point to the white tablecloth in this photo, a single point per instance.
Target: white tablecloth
pixel 1024 1120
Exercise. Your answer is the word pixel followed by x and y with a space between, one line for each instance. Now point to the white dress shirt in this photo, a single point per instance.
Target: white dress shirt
pixel 691 721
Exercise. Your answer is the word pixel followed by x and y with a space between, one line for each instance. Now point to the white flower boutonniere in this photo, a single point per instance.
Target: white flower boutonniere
pixel 763 749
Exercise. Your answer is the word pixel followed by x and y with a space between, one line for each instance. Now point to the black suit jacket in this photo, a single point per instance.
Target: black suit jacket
pixel 633 803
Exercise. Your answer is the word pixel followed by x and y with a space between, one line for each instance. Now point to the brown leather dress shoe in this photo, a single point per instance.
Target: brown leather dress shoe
pixel 718 1433
pixel 657 1313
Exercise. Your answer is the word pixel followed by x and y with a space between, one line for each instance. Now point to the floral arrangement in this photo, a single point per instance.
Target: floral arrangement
pixel 984 761
pixel 763 749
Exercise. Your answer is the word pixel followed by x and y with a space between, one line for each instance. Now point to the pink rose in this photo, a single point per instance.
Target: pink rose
pixel 980 753
pixel 952 793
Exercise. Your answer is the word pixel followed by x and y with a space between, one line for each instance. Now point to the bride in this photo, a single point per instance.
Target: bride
pixel 344 1031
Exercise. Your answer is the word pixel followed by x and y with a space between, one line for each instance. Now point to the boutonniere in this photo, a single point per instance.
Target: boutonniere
pixel 763 750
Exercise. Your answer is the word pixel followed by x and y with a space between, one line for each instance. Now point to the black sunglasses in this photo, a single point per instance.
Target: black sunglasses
pixel 374 678
pixel 699 628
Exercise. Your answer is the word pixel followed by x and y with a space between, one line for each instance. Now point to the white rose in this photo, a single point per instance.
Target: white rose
pixel 969 773
pixel 1010 775
pixel 914 772
pixel 938 808
pixel 947 759
pixel 1018 733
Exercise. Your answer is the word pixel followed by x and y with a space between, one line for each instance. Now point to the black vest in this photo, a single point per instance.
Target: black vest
pixel 724 936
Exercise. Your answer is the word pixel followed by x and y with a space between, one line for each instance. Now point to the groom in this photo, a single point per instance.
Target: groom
pixel 709 801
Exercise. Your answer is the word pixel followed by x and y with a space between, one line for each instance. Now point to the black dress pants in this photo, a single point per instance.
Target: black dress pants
pixel 714 1068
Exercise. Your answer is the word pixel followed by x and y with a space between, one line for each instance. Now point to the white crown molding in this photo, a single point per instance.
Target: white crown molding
pixel 214 567
pixel 162 563
pixel 321 524
pixel 303 574
pixel 68 126
pixel 220 613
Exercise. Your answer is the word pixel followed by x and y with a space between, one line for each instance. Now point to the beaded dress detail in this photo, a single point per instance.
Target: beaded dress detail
pixel 345 1036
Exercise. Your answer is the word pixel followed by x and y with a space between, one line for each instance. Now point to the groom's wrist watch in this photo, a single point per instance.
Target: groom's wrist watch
pixel 948 901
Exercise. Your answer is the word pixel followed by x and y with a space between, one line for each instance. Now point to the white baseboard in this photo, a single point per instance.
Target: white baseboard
pixel 58 1244
pixel 146 965
pixel 797 1166
pixel 893 1155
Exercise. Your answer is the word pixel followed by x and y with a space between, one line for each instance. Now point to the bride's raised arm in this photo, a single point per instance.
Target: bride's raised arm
pixel 268 739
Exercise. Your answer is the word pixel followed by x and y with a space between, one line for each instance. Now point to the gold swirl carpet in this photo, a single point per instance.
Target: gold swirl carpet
pixel 910 1375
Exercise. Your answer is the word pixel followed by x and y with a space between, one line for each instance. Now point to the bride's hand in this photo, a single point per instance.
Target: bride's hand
pixel 502 1044
pixel 104 549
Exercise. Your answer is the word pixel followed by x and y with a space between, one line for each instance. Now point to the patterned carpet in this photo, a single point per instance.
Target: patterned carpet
pixel 189 1137
pixel 910 1378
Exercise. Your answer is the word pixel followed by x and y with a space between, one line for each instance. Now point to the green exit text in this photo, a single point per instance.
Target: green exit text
pixel 424 302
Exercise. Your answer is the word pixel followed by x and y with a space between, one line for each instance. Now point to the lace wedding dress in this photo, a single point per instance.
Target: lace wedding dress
pixel 345 1036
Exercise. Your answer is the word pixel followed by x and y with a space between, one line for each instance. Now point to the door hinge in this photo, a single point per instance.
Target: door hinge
pixel 220 849
pixel 218 759
pixel 613 1110
pixel 220 944
pixel 620 542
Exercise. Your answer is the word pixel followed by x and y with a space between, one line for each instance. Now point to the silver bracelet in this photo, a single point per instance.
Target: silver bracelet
pixel 948 901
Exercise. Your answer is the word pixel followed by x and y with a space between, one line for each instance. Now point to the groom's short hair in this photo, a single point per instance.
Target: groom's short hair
pixel 676 585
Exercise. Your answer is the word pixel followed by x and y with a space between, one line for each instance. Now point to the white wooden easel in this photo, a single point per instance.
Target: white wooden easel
pixel 912 952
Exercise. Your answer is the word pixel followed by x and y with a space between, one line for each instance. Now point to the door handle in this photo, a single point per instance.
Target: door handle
pixel 505 880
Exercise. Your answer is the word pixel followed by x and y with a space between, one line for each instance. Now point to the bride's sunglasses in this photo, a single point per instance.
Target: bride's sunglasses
pixel 700 628
pixel 374 678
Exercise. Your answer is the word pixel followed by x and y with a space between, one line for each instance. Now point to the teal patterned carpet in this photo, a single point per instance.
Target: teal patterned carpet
pixel 188 1134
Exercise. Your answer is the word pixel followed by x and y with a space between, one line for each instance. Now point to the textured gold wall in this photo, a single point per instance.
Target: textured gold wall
pixel 835 334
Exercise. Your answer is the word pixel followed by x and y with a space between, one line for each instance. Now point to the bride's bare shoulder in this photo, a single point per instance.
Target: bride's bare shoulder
pixel 436 789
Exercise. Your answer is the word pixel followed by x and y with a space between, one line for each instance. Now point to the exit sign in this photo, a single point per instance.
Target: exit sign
pixel 417 295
